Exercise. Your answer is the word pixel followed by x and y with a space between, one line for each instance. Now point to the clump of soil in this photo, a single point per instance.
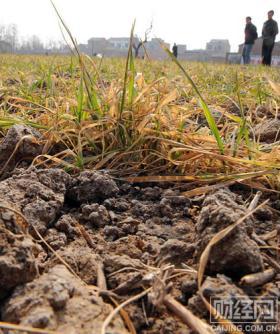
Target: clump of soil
pixel 220 287
pixel 38 194
pixel 237 254
pixel 268 131
pixel 21 143
pixel 59 301
pixel 17 258
pixel 91 187
pixel 81 258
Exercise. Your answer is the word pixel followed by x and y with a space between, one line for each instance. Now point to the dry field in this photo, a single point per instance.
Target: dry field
pixel 132 191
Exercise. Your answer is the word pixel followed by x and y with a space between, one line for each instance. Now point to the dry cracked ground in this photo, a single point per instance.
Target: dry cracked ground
pixel 73 247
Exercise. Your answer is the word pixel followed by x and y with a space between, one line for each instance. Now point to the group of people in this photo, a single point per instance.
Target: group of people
pixel 269 32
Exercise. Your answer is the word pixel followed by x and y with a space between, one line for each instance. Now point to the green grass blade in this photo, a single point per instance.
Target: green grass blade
pixel 89 85
pixel 131 89
pixel 243 131
pixel 80 100
pixel 7 122
pixel 126 70
pixel 208 115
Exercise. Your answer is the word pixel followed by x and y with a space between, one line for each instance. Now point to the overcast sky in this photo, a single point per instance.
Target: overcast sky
pixel 191 22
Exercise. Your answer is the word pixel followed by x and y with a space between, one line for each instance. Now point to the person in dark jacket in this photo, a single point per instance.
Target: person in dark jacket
pixel 175 50
pixel 250 36
pixel 269 32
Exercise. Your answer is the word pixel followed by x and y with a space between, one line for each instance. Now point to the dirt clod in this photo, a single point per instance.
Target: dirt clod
pixel 176 252
pixel 96 214
pixel 53 300
pixel 67 224
pixel 55 239
pixel 28 141
pixel 38 194
pixel 237 254
pixel 92 186
pixel 81 258
pixel 17 259
pixel 268 131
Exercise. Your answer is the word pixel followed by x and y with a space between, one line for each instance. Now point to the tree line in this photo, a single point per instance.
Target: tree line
pixel 11 41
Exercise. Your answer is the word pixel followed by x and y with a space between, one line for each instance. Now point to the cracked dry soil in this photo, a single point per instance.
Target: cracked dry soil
pixel 126 232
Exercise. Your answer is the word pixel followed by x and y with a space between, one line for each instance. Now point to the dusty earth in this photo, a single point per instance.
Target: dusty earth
pixel 73 247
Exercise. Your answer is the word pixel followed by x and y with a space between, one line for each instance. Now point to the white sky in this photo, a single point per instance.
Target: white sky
pixel 191 22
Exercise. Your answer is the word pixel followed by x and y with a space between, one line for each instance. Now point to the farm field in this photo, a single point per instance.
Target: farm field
pixel 133 191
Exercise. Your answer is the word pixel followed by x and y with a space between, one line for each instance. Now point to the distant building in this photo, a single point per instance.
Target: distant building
pixel 120 43
pixel 154 49
pixel 182 48
pixel 96 45
pixel 256 54
pixel 83 48
pixel 218 47
pixel 112 47
pixel 216 51
pixel 118 47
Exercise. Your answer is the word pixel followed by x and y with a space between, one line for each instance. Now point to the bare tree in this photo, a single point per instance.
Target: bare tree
pixel 11 41
pixel 36 44
pixel 9 34
pixel 13 31
pixel 138 43
pixel 2 32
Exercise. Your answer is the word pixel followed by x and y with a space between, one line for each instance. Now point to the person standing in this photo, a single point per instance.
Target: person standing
pixel 175 50
pixel 269 32
pixel 250 36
